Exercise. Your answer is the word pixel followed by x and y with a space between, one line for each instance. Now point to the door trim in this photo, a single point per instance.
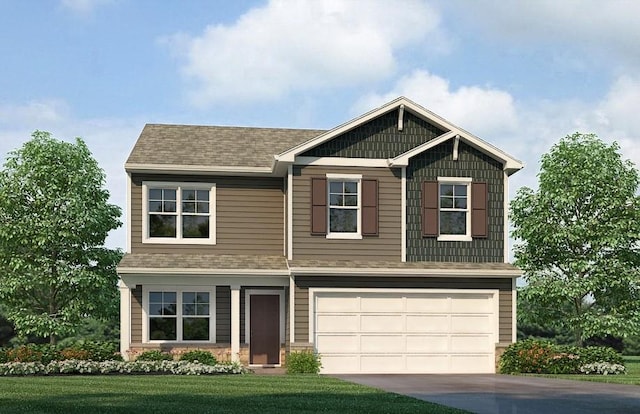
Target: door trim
pixel 247 311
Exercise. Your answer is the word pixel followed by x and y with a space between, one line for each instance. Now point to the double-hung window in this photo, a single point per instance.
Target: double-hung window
pixel 178 213
pixel 344 212
pixel 179 315
pixel 454 219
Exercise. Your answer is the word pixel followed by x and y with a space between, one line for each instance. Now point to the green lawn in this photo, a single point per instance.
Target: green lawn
pixel 632 377
pixel 203 394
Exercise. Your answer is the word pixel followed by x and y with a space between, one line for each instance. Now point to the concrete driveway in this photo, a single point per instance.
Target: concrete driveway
pixel 509 394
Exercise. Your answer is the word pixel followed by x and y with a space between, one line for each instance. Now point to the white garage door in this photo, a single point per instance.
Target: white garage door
pixel 405 332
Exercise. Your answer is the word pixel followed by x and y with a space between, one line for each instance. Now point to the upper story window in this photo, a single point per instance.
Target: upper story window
pixel 344 206
pixel 344 213
pixel 454 209
pixel 178 213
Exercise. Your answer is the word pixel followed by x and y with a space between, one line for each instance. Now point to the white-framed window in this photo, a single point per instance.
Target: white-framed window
pixel 454 214
pixel 178 212
pixel 179 314
pixel 344 206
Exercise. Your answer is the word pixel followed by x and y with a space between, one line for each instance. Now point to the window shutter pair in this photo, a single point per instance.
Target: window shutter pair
pixel 479 209
pixel 369 207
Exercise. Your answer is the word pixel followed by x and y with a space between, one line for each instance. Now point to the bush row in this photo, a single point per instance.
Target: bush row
pixel 73 366
pixel 196 355
pixel 543 357
pixel 45 353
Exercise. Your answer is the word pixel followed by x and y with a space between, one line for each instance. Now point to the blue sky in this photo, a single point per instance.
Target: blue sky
pixel 519 74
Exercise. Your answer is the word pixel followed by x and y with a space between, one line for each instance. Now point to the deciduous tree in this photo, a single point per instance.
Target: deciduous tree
pixel 579 240
pixel 55 215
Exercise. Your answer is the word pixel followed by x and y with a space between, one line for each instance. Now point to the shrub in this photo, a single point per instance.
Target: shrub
pixel 303 362
pixel 530 355
pixel 203 357
pixel 98 351
pixel 44 353
pixel 154 355
pixel 542 357
pixel 602 368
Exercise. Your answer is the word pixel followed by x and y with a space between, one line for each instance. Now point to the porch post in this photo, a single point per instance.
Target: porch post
pixel 125 318
pixel 235 323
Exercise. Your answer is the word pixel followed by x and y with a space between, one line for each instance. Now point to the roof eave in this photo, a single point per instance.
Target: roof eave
pixel 198 169
pixel 328 271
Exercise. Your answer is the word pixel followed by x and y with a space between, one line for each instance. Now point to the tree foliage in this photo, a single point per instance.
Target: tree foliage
pixel 579 239
pixel 54 269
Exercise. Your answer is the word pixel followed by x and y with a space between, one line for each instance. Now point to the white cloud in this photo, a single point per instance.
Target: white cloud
pixel 291 46
pixel 483 111
pixel 109 140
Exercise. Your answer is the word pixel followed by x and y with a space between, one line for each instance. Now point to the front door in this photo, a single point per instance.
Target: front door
pixel 264 342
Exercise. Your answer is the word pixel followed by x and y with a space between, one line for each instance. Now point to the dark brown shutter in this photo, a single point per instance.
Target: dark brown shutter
pixel 479 210
pixel 319 206
pixel 369 207
pixel 429 209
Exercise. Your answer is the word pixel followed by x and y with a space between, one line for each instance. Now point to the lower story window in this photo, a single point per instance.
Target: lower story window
pixel 179 315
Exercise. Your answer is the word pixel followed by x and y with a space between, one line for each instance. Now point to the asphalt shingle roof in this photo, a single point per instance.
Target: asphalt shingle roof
pixel 214 145
pixel 202 261
pixel 261 263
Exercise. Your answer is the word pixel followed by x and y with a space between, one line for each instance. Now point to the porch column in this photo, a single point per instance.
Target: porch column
pixel 235 323
pixel 125 318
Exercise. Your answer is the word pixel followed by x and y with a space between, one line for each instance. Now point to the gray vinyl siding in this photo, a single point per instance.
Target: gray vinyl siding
pixel 304 283
pixel 379 138
pixel 223 314
pixel 438 162
pixel 136 314
pixel 385 246
pixel 250 216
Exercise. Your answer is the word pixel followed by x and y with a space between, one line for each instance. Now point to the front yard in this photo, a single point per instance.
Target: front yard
pixel 201 394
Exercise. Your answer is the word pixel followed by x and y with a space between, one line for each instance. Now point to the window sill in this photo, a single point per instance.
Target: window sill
pixel 449 237
pixel 345 236
pixel 169 240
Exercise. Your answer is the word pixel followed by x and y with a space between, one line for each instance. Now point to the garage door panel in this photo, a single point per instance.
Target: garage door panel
pixel 337 343
pixel 471 304
pixel 471 343
pixel 427 323
pixel 427 303
pixel 337 323
pixel 382 344
pixel 337 303
pixel 381 323
pixel 380 363
pixel 340 363
pixel 427 343
pixel 381 303
pixel 471 323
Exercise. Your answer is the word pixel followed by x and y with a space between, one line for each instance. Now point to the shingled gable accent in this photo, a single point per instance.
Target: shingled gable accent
pixel 510 164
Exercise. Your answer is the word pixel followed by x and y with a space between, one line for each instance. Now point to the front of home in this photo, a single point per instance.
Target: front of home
pixel 380 244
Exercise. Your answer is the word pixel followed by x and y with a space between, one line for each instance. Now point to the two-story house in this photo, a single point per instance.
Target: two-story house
pixel 380 244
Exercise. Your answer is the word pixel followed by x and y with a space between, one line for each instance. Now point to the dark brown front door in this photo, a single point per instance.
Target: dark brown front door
pixel 264 323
